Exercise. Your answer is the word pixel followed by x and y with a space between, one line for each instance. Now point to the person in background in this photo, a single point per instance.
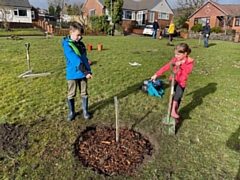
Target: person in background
pixel 78 70
pixel 155 28
pixel 206 34
pixel 185 65
pixel 171 30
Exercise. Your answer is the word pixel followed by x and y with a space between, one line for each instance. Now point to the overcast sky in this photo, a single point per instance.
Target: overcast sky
pixel 172 3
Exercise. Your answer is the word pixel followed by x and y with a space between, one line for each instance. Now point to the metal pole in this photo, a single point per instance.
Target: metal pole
pixel 111 11
pixel 111 20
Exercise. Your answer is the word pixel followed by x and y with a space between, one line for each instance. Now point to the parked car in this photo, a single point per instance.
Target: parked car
pixel 165 33
pixel 166 30
pixel 148 30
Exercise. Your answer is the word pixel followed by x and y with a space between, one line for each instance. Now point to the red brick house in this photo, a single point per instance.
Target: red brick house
pixel 217 15
pixel 142 11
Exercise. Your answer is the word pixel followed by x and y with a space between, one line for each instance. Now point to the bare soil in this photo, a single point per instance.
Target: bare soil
pixel 13 139
pixel 97 148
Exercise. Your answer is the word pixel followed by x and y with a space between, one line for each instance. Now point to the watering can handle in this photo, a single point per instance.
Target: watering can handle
pixel 27 45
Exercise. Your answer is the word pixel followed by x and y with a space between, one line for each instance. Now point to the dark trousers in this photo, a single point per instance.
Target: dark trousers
pixel 178 92
pixel 170 37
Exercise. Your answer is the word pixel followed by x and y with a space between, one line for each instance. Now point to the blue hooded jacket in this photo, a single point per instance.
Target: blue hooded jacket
pixel 77 66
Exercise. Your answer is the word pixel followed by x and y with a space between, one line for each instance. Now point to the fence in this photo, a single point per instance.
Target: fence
pixel 63 32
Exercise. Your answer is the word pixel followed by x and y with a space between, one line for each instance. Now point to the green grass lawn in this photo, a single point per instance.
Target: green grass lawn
pixel 206 146
pixel 21 32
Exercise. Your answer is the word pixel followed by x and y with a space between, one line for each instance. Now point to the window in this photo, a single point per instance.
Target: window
pixel 163 16
pixel 129 15
pixel 106 12
pixel 150 16
pixel 20 12
pixel 195 21
pixel 237 22
pixel 141 18
pixel 33 14
pixel 92 12
pixel 16 12
pixel 202 21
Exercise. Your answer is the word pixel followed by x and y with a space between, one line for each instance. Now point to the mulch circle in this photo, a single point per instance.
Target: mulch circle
pixel 13 139
pixel 97 148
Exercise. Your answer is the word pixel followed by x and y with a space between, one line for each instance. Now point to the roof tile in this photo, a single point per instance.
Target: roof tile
pixel 18 3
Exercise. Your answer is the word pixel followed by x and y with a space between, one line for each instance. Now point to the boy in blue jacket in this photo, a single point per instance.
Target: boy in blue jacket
pixel 78 70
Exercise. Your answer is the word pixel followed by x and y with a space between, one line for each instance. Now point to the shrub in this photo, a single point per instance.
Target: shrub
pixel 216 29
pixel 231 32
pixel 65 25
pixel 180 21
pixel 119 28
pixel 134 24
pixel 87 28
pixel 184 30
pixel 197 28
pixel 100 23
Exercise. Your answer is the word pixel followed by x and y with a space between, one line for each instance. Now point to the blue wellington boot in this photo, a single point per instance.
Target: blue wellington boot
pixel 71 109
pixel 85 108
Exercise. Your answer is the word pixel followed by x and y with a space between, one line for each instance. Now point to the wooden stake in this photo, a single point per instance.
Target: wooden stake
pixel 117 123
pixel 199 39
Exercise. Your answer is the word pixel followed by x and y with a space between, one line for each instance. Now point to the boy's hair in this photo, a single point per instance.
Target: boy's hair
pixel 182 48
pixel 76 26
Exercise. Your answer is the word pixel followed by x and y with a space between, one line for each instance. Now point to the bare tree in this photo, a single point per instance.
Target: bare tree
pixel 6 14
pixel 186 8
pixel 228 20
pixel 189 6
pixel 79 13
pixel 55 3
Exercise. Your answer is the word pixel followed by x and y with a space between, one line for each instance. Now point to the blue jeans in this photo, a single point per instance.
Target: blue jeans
pixel 154 34
pixel 205 39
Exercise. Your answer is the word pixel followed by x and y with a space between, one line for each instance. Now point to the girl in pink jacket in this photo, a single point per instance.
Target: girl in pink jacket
pixel 185 64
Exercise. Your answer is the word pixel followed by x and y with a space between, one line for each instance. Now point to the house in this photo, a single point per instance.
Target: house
pixel 225 16
pixel 15 13
pixel 35 15
pixel 141 11
pixel 39 14
pixel 64 14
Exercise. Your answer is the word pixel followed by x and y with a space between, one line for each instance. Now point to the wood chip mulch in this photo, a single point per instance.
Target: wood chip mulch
pixel 97 148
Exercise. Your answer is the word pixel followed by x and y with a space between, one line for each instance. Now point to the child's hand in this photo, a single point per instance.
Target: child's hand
pixel 178 63
pixel 88 76
pixel 153 77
